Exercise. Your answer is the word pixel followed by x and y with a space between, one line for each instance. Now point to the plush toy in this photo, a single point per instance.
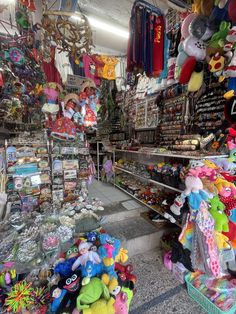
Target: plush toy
pixel 206 7
pixel 91 293
pixel 64 269
pixel 126 272
pixel 91 269
pixel 86 255
pixel 108 250
pixel 178 204
pixel 219 38
pixel 122 256
pixel 195 47
pixel 91 236
pixel 71 285
pixel 232 150
pixel 185 25
pixel 196 79
pixel 201 28
pixel 217 212
pixel 194 192
pixel 216 64
pixel 182 55
pixel 59 300
pixel 121 304
pixel 129 293
pixel 187 69
pixel 101 306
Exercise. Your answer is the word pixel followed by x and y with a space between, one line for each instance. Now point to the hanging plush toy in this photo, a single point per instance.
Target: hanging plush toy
pixel 217 212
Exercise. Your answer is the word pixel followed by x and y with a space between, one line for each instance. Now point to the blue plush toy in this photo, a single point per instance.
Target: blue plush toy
pixel 91 236
pixel 64 269
pixel 108 250
pixel 91 270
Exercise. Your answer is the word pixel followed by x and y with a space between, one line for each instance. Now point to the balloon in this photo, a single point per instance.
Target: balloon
pixel 232 10
pixel 195 47
pixel 186 23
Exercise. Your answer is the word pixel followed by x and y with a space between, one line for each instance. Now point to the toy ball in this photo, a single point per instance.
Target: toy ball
pixel 232 10
pixel 195 48
pixel 199 28
pixel 186 23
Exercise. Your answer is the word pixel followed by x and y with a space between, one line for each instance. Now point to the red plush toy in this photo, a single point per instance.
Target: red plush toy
pixel 125 272
pixel 232 10
pixel 187 70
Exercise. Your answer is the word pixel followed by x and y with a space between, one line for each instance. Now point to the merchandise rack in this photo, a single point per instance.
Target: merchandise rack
pixel 149 180
pixel 155 208
pixel 165 186
pixel 171 154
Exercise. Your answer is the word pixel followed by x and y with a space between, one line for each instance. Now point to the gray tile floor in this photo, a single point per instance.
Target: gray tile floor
pixel 158 292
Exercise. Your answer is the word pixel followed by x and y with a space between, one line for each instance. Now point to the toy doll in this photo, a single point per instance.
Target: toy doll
pixel 86 255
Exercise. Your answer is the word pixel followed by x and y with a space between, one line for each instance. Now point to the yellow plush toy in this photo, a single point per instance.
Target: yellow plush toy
pixel 101 307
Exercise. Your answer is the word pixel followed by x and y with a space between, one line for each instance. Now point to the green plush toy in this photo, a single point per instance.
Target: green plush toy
pixel 102 307
pixel 217 212
pixel 92 292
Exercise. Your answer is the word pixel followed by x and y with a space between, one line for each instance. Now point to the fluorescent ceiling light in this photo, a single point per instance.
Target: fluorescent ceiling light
pixel 121 32
pixel 108 27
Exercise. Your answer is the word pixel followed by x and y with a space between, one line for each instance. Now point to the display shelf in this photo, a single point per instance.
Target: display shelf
pixel 143 203
pixel 170 155
pixel 150 180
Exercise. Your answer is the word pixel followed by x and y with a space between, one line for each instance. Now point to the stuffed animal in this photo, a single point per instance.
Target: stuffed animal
pixel 91 269
pixel 194 192
pixel 86 255
pixel 129 293
pixel 64 269
pixel 121 304
pixel 185 25
pixel 232 154
pixel 101 306
pixel 196 79
pixel 91 293
pixel 195 47
pixel 217 212
pixel 71 285
pixel 126 272
pixel 108 250
pixel 59 300
pixel 200 28
pixel 178 204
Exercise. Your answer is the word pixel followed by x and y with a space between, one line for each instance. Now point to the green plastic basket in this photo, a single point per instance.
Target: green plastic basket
pixel 204 302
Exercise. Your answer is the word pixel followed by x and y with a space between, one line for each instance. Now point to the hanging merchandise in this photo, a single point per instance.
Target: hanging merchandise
pixel 147 39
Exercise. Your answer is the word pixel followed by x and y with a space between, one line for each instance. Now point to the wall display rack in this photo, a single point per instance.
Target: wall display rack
pixel 147 156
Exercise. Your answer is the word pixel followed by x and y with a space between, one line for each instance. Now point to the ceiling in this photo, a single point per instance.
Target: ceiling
pixel 114 12
pixel 117 13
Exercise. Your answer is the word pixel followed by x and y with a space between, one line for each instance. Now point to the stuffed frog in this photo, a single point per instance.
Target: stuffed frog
pixel 91 293
pixel 101 306
pixel 217 212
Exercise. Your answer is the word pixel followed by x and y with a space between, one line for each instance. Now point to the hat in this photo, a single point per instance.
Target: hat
pixel 72 96
pixel 89 84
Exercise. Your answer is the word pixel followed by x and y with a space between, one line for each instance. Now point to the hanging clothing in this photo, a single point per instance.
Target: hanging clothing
pixel 99 66
pixel 77 66
pixel 89 68
pixel 62 64
pixel 109 71
pixel 158 45
pixel 50 70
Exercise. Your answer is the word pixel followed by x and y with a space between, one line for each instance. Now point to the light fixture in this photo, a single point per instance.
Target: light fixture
pixel 105 26
pixel 108 27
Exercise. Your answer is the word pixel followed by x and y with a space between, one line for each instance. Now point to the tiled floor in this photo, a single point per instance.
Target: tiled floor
pixel 158 292
pixel 107 193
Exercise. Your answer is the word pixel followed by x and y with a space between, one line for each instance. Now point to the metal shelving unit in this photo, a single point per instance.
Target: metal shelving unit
pixel 145 204
pixel 171 155
pixel 149 180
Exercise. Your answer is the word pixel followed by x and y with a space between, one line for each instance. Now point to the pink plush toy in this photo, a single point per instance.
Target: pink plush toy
pixel 121 304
